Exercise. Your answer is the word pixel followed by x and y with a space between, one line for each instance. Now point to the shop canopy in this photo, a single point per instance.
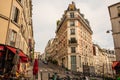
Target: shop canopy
pixel 21 54
pixel 115 64
pixel 1 47
pixel 23 57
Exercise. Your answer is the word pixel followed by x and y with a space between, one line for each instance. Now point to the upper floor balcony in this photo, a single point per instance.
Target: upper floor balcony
pixel 72 41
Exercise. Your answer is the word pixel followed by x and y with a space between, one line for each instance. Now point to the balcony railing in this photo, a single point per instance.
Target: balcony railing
pixel 72 41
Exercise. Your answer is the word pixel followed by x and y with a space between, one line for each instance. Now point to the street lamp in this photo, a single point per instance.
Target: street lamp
pixel 108 31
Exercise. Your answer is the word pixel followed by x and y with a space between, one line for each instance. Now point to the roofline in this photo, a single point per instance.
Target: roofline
pixel 113 4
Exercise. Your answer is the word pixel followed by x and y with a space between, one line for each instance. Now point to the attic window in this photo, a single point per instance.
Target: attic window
pixel 72 15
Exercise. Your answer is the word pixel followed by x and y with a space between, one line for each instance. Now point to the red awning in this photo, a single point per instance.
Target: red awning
pixel 21 54
pixel 115 63
pixel 24 59
pixel 1 47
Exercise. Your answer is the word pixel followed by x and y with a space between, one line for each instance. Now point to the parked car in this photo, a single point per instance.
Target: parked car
pixel 45 62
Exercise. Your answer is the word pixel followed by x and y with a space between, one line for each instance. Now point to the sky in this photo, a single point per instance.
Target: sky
pixel 47 12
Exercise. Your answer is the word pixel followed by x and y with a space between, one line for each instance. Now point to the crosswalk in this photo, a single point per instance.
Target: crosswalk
pixel 45 70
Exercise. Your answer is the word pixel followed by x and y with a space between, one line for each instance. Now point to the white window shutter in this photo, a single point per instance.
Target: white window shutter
pixel 13 12
pixel 9 36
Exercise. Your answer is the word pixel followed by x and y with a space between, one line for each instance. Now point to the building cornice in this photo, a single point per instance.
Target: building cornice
pixel 4 17
pixel 113 4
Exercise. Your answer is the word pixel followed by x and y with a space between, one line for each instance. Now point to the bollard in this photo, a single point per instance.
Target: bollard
pixel 41 75
pixel 48 76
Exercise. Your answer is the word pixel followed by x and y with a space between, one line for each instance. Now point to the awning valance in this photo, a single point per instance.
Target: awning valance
pixel 23 57
pixel 21 54
pixel 1 47
pixel 115 63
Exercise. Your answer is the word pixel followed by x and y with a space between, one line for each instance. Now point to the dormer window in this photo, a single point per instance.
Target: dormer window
pixel 72 23
pixel 72 15
pixel 118 8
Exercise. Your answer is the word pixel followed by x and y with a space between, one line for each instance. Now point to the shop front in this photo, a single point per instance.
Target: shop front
pixel 116 68
pixel 7 54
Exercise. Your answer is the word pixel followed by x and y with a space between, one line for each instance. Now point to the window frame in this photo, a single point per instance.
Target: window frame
pixel 13 35
pixel 15 14
pixel 72 31
pixel 72 15
pixel 73 49
pixel 72 23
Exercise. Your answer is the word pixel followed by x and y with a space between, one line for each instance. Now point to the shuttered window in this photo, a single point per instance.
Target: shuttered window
pixel 12 37
pixel 15 14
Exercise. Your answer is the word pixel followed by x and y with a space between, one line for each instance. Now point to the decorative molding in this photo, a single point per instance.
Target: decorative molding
pixel 4 17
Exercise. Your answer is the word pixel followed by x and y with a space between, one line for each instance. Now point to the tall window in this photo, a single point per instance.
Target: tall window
pixel 71 15
pixel 72 23
pixel 73 63
pixel 118 10
pixel 72 31
pixel 15 14
pixel 80 61
pixel 73 50
pixel 73 40
pixel 12 38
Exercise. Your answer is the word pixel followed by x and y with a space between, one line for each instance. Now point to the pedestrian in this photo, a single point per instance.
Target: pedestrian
pixel 86 78
pixel 15 63
pixel 55 76
pixel 118 78
pixel 35 69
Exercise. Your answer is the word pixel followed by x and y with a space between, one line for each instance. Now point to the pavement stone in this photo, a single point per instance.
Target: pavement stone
pixel 29 73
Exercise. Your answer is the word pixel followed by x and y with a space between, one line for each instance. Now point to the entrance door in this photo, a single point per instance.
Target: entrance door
pixel 73 63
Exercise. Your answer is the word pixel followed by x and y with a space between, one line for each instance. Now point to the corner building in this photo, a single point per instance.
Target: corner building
pixel 16 27
pixel 74 40
pixel 114 11
pixel 16 24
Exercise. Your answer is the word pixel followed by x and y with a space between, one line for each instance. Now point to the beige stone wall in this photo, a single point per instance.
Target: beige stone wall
pixel 115 21
pixel 103 61
pixel 5 8
pixel 3 30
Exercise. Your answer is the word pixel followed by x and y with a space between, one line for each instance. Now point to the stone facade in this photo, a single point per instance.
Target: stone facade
pixel 114 11
pixel 103 59
pixel 16 24
pixel 74 40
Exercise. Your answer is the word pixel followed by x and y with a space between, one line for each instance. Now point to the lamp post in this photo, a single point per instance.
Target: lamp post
pixel 108 31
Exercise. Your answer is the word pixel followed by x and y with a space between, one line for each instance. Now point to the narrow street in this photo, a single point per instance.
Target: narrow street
pixel 47 70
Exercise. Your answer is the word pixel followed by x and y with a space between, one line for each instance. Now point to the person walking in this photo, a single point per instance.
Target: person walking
pixel 55 76
pixel 35 70
pixel 15 62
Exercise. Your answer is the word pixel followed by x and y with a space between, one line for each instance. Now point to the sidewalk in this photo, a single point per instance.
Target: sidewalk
pixel 29 73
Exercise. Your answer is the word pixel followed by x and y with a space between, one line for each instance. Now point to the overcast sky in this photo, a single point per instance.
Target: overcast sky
pixel 47 12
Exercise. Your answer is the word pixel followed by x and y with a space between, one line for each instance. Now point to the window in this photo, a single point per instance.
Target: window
pixel 12 38
pixel 72 31
pixel 72 23
pixel 73 40
pixel 73 63
pixel 80 61
pixel 19 0
pixel 71 15
pixel 73 50
pixel 118 10
pixel 15 14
